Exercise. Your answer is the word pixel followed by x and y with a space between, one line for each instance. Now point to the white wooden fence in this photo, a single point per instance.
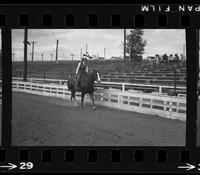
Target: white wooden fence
pixel 155 104
pixel 119 85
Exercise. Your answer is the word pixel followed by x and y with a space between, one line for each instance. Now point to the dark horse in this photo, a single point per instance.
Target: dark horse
pixel 86 85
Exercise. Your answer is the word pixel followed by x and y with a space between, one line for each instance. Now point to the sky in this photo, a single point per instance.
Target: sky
pixel 159 41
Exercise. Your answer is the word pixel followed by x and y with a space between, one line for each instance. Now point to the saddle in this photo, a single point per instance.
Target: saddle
pixel 79 81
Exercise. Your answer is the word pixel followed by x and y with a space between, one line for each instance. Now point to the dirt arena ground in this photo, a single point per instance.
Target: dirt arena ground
pixel 48 121
pixel 198 124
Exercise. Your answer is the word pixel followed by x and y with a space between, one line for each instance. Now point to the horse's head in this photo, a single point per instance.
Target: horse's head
pixel 96 76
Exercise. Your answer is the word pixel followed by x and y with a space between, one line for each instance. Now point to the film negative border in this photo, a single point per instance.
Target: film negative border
pixel 102 159
pixel 91 16
pixel 114 16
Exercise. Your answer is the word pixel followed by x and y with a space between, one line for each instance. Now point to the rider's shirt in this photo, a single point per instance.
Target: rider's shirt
pixel 81 68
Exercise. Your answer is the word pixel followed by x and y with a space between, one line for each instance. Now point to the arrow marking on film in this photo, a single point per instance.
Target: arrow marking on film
pixel 10 166
pixel 189 167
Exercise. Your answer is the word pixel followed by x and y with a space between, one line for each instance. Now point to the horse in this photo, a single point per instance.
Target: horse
pixel 86 85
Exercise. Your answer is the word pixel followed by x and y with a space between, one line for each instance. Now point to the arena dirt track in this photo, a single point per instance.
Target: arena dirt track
pixel 47 121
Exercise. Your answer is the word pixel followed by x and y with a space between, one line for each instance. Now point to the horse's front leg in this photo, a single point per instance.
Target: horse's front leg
pixel 82 98
pixel 92 97
pixel 71 97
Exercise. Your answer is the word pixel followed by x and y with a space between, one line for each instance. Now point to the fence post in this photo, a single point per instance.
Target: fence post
pixel 170 109
pixel 123 87
pixel 140 101
pixel 118 100
pixel 101 97
pixel 160 89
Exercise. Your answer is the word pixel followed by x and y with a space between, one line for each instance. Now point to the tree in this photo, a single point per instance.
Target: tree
pixel 135 43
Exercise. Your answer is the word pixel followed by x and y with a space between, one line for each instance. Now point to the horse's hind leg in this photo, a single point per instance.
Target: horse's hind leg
pixel 74 97
pixel 82 98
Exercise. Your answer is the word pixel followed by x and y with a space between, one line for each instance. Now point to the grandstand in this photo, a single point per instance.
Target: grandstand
pixel 112 71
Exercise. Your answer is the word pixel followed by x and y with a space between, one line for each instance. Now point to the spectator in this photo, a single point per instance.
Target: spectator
pixel 165 58
pixel 157 58
pixel 171 58
pixel 182 57
pixel 176 58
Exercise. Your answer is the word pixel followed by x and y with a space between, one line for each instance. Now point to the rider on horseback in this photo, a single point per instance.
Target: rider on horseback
pixel 80 70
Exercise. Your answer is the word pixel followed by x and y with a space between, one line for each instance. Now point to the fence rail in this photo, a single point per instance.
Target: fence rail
pixel 155 104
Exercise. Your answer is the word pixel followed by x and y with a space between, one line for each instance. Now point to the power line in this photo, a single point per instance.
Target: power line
pixel 62 52
pixel 54 35
pixel 60 45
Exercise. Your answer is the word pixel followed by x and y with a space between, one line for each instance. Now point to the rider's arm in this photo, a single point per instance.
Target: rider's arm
pixel 78 68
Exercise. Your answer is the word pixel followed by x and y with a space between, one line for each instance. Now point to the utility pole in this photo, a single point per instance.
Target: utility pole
pixel 72 56
pixel 25 54
pixel 81 54
pixel 13 54
pixel 51 56
pixel 33 43
pixel 57 51
pixel 42 56
pixel 124 44
pixel 86 49
pixel 104 53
